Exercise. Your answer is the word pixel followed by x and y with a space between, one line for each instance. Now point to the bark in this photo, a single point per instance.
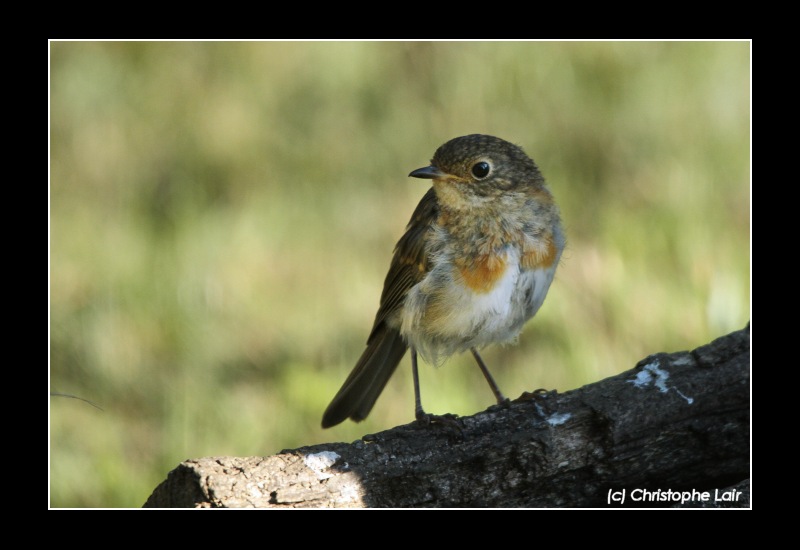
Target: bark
pixel 675 426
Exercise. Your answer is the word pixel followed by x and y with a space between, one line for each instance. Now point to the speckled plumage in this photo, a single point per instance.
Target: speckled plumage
pixel 475 263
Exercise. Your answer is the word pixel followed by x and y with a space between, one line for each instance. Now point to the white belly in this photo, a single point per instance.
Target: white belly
pixel 442 316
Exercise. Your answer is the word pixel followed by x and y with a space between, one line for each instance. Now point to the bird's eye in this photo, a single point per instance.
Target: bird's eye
pixel 481 170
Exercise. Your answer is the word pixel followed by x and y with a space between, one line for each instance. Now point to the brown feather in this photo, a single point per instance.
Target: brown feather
pixel 409 262
pixel 385 346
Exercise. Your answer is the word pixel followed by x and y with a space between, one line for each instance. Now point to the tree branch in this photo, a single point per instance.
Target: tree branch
pixel 675 426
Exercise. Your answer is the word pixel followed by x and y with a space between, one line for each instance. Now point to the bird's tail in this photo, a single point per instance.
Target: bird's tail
pixel 359 392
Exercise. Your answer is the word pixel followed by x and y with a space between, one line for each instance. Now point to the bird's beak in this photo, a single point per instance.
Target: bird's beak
pixel 428 173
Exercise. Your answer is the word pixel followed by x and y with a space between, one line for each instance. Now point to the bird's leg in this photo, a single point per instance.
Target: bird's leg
pixel 501 399
pixel 418 412
pixel 423 417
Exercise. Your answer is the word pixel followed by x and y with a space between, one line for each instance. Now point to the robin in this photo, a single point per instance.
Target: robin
pixel 474 264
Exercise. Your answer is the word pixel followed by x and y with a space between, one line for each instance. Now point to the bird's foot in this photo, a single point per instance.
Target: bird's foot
pixel 446 420
pixel 534 395
pixel 503 404
pixel 540 400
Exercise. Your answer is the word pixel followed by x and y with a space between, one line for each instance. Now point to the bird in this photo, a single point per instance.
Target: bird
pixel 474 265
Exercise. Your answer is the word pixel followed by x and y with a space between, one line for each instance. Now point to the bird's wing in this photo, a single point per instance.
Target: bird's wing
pixel 410 262
pixel 385 347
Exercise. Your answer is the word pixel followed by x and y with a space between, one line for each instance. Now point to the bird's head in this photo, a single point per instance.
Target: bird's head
pixel 468 171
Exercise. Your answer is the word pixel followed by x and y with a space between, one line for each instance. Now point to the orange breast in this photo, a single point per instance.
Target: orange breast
pixel 482 274
pixel 540 256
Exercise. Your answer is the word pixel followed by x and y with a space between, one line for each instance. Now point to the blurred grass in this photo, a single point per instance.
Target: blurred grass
pixel 222 216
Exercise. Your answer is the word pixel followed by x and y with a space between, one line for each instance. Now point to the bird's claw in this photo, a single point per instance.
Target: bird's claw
pixel 446 420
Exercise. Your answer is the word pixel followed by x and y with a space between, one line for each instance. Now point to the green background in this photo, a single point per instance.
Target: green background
pixel 222 216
